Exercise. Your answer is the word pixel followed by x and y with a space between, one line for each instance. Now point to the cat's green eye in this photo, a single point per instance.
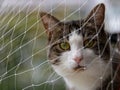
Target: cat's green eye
pixel 64 45
pixel 89 44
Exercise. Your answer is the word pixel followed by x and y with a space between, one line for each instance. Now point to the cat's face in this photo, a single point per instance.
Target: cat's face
pixel 77 46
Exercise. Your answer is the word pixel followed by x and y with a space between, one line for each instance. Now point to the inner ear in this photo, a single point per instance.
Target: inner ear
pixel 49 21
pixel 97 15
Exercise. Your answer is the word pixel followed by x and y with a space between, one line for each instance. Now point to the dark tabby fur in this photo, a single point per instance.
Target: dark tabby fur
pixel 58 31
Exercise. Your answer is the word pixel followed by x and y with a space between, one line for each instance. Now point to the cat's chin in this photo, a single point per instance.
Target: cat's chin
pixel 80 68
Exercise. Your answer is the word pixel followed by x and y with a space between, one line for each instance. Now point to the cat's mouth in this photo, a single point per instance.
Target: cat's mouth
pixel 78 67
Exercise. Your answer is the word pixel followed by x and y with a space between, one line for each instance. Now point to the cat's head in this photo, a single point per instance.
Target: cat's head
pixel 77 45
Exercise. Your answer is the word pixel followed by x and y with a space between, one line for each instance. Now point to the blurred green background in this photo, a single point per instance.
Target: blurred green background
pixel 23 45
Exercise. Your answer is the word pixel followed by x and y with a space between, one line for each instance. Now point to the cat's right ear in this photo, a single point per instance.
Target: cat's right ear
pixel 97 14
pixel 49 21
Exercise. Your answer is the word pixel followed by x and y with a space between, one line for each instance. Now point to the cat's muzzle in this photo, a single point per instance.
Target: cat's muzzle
pixel 80 67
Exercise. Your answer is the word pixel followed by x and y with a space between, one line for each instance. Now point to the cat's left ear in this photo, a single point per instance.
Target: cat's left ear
pixel 97 15
pixel 49 21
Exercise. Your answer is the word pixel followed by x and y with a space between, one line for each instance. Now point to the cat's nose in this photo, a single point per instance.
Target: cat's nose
pixel 78 59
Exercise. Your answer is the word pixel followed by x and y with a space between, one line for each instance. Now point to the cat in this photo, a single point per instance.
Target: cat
pixel 79 50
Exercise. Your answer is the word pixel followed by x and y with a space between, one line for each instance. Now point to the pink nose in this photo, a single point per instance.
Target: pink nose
pixel 78 59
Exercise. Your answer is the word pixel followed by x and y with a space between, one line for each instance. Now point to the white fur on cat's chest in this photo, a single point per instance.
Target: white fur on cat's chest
pixel 85 80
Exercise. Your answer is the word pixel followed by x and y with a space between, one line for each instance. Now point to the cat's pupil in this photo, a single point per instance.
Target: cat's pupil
pixel 89 43
pixel 64 45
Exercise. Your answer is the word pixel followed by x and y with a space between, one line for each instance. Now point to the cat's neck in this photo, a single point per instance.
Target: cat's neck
pixel 90 79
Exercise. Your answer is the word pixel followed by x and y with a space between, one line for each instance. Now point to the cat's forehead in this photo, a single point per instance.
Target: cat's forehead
pixel 73 25
pixel 65 30
pixel 75 37
pixel 79 26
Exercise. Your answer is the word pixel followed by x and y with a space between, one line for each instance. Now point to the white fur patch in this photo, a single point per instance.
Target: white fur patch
pixel 88 79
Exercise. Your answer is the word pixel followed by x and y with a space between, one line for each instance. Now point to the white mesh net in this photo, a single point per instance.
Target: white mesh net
pixel 23 41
